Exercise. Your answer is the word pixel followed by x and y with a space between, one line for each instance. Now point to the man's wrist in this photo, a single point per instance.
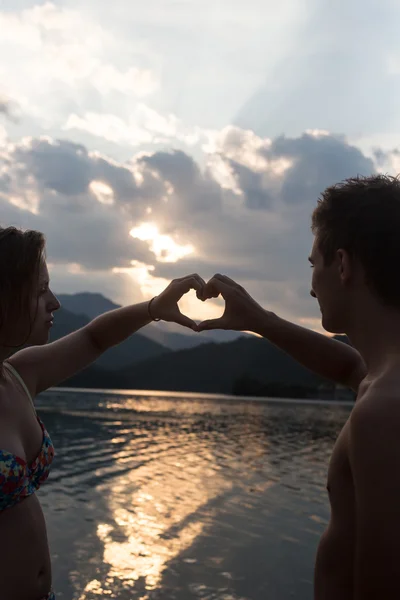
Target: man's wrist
pixel 261 321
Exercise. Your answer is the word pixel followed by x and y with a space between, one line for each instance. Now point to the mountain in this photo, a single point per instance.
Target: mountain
pixel 91 305
pixel 214 368
pixel 136 348
pixel 170 335
pixel 176 337
pixel 245 366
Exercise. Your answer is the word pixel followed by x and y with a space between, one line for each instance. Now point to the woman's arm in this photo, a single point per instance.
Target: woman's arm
pixel 42 367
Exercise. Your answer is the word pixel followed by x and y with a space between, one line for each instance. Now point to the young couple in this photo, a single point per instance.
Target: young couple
pixel 356 281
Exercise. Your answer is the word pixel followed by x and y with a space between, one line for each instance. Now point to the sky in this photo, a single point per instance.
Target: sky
pixel 152 140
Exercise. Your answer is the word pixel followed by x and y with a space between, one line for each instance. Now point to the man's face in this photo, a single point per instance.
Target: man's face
pixel 327 288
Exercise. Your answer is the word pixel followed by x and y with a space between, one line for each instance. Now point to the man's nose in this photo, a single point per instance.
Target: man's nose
pixel 312 293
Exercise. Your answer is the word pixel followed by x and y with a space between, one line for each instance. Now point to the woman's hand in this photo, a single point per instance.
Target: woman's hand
pixel 242 313
pixel 165 306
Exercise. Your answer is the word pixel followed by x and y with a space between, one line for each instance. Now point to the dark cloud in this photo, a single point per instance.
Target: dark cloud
pixel 60 166
pixel 251 182
pixel 318 162
pixel 261 235
pixel 194 193
pixel 119 178
pixel 79 229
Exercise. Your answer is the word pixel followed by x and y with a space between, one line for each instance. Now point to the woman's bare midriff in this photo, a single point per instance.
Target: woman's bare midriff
pixel 25 566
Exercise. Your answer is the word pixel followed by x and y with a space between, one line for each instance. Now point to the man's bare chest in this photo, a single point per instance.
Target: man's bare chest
pixel 340 480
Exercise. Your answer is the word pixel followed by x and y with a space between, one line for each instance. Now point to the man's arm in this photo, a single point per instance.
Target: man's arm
pixel 321 354
pixel 325 356
pixel 375 464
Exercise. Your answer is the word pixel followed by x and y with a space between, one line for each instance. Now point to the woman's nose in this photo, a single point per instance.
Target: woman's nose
pixel 55 303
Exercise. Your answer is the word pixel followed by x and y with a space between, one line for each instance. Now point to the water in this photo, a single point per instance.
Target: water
pixel 156 496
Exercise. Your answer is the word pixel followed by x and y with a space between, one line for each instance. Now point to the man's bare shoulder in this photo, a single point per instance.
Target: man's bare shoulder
pixel 376 415
pixel 374 394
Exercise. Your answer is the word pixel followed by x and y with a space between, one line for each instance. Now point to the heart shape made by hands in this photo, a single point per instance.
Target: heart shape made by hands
pixel 201 310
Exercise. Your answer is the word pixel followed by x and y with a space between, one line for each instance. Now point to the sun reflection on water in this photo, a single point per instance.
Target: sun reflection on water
pixel 157 510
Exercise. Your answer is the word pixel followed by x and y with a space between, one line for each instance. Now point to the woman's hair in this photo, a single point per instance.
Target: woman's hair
pixel 21 253
pixel 362 215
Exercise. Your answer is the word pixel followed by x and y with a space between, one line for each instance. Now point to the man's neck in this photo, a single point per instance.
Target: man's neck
pixel 377 338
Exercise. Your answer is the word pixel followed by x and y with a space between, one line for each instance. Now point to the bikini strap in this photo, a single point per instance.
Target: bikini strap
pixel 19 378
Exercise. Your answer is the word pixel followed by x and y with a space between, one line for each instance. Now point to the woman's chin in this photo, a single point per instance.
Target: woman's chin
pixel 39 338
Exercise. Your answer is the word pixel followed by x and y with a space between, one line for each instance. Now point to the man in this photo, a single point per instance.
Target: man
pixel 356 281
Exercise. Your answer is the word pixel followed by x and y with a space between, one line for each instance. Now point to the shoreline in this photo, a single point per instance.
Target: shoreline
pixel 203 396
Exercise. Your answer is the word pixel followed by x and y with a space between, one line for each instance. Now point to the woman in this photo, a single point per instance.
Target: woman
pixel 27 307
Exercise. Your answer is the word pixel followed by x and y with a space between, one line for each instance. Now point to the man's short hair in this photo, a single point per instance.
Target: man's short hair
pixel 362 215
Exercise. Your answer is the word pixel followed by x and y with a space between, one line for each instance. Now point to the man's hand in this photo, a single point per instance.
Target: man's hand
pixel 165 306
pixel 242 313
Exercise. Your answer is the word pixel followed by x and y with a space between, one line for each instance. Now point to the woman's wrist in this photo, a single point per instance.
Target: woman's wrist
pixel 150 310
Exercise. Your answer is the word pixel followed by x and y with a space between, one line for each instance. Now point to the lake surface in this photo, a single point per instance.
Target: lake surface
pixel 159 496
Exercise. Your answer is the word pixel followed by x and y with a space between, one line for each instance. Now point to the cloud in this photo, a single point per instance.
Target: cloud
pixel 45 184
pixel 163 215
pixel 62 58
pixel 143 126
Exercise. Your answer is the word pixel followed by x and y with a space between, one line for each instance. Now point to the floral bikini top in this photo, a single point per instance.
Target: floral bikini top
pixel 18 479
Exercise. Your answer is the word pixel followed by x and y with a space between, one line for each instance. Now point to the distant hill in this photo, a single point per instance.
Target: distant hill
pixel 89 304
pixel 245 366
pixel 170 335
pixel 211 368
pixel 214 368
pixel 135 348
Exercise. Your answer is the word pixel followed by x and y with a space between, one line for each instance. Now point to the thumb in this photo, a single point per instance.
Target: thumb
pixel 211 324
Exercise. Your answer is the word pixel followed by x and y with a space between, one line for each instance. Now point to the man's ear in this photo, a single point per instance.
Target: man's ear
pixel 345 264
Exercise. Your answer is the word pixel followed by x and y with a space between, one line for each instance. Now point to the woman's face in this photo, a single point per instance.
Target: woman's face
pixel 43 305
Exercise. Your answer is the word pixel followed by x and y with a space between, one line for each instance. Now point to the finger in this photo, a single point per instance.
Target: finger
pixel 185 321
pixel 186 276
pixel 195 275
pixel 199 291
pixel 212 324
pixel 190 283
pixel 228 280
pixel 215 287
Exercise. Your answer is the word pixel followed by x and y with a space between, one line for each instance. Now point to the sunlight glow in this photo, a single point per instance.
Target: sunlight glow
pixel 103 192
pixel 163 246
pixel 141 273
pixel 151 286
